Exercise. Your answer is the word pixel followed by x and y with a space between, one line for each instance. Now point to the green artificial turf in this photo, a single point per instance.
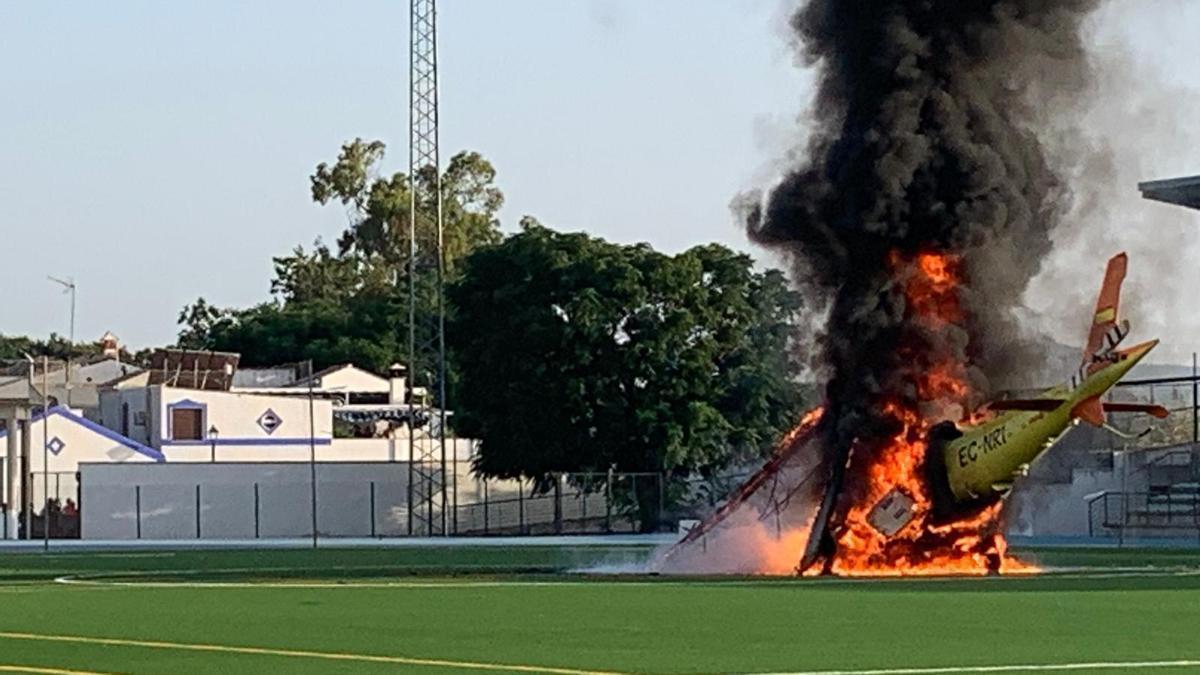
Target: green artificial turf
pixel 487 613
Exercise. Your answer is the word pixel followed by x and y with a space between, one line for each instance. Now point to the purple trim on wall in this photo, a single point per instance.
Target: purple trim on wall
pixel 252 441
pixel 111 435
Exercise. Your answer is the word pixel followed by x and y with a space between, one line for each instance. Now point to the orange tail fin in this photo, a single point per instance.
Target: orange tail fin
pixel 1107 330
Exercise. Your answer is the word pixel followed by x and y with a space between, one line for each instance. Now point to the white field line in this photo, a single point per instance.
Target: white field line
pixel 1019 668
pixel 39 670
pixel 144 580
pixel 301 654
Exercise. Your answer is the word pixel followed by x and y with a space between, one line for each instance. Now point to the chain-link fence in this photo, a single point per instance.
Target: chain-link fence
pixel 576 503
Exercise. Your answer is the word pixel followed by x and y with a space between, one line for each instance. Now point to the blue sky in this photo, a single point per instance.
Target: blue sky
pixel 160 151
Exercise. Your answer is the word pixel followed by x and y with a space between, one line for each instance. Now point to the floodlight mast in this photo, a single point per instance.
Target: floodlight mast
pixel 427 469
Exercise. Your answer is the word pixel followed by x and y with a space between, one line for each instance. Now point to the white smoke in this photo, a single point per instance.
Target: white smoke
pixel 1136 125
pixel 767 531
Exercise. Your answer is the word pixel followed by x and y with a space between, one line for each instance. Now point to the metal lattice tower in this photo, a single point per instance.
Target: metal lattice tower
pixel 427 511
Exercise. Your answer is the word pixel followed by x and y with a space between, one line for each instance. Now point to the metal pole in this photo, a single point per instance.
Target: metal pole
pixel 256 510
pixel 46 451
pixel 454 476
pixel 426 274
pixel 1195 401
pixel 608 495
pixel 413 366
pixel 27 456
pixel 69 285
pixel 372 508
pixel 662 501
pixel 312 452
pixel 1124 497
pixel 558 514
pixel 412 429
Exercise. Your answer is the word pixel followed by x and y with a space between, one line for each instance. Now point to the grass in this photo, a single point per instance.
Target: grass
pixel 478 608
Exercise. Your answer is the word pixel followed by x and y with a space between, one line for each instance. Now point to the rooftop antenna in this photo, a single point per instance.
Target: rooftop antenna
pixel 68 285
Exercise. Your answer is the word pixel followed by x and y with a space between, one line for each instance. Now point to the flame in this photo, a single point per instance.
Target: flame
pixel 969 545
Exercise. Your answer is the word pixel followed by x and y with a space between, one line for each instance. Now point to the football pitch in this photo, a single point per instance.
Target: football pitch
pixel 530 610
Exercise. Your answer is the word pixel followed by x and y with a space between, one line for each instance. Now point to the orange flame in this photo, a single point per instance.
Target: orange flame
pixel 930 282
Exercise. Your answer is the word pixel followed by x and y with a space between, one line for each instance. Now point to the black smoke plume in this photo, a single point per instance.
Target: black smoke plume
pixel 926 139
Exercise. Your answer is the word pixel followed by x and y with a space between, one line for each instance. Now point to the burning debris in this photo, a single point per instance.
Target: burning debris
pixel 922 209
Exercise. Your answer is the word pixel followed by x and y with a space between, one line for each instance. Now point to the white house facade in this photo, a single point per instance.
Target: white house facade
pixel 203 425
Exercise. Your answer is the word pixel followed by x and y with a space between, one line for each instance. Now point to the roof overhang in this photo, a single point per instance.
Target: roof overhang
pixel 1181 191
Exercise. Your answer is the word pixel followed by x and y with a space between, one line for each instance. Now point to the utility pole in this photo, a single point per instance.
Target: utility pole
pixel 427 510
pixel 46 453
pixel 312 453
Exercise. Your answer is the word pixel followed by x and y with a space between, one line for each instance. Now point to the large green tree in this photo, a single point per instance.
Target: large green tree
pixel 352 303
pixel 578 355
pixel 379 207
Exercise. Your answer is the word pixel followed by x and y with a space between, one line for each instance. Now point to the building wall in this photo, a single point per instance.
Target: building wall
pixel 241 438
pixel 78 443
pixel 242 434
pixel 129 410
pixel 335 450
pixel 353 379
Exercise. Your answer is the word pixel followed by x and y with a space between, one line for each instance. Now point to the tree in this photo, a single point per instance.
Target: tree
pixel 59 348
pixel 577 355
pixel 379 207
pixel 364 330
pixel 200 321
pixel 306 277
pixel 352 304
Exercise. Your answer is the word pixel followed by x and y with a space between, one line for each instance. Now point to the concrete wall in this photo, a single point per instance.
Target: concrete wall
pixel 242 501
pixel 273 500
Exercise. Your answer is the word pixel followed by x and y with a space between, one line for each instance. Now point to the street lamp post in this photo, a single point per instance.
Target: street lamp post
pixel 213 433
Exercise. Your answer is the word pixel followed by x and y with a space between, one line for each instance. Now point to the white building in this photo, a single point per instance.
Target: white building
pixel 77 389
pixel 192 425
pixel 348 383
pixel 72 440
pixel 194 407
